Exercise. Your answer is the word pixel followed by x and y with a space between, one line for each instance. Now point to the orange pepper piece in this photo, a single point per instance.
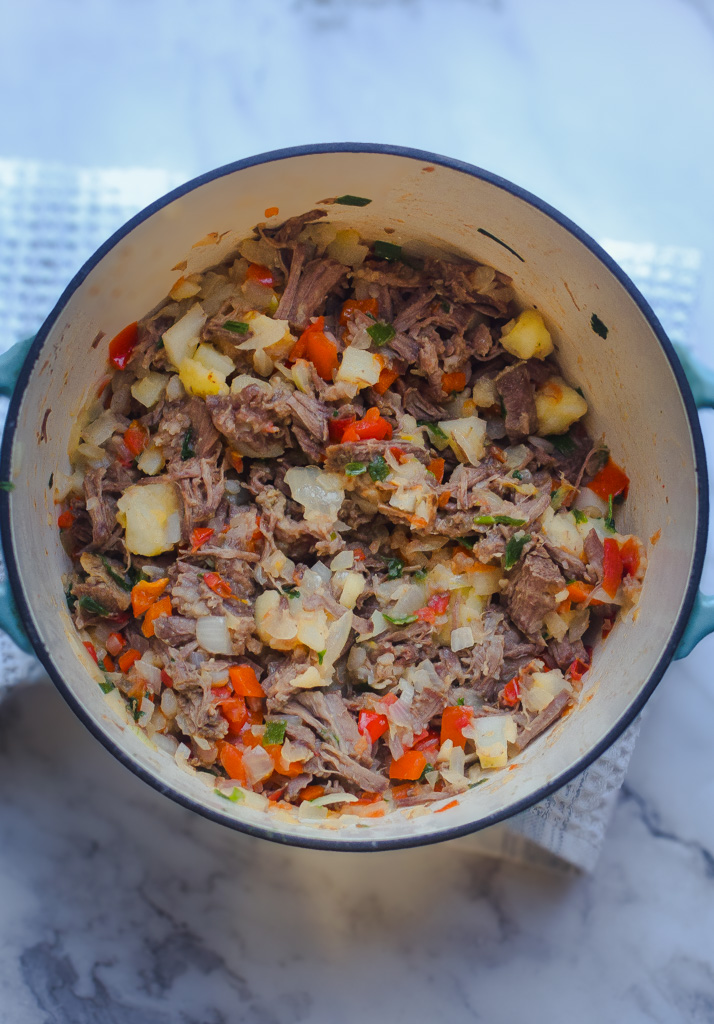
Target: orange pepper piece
pixel 436 466
pixel 311 793
pixel 244 681
pixel 386 378
pixel 453 382
pixel 235 712
pixel 232 761
pixel 453 720
pixel 128 658
pixel 349 308
pixel 409 766
pixel 143 595
pixel 153 612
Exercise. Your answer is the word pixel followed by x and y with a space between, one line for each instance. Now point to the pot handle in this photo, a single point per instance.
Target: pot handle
pixel 11 363
pixel 701 621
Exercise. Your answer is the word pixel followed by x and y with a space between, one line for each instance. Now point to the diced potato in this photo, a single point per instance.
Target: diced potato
pixel 186 287
pixel 562 531
pixel 492 735
pixel 346 248
pixel 557 624
pixel 359 367
pixel 181 340
pixel 484 579
pixel 353 586
pixel 212 359
pixel 469 608
pixel 199 380
pixel 149 389
pixel 320 233
pixel 558 406
pixel 150 515
pixel 309 679
pixel 484 393
pixel 542 688
pixel 151 461
pixel 527 337
pixel 466 437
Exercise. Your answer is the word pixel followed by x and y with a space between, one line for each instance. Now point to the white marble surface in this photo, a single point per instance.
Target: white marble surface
pixel 117 906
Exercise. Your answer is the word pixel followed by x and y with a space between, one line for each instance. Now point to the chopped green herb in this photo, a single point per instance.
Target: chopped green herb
pixel 381 333
pixel 562 442
pixel 517 474
pixel 514 549
pixel 610 518
pixel 427 768
pixel 235 796
pixel 434 429
pixel 187 451
pixel 291 590
pixel 446 306
pixel 387 250
pixel 160 342
pixel 378 468
pixel 503 406
pixel 558 497
pixel 274 732
pixel 579 516
pixel 133 703
pixel 237 326
pixel 352 201
pixel 136 575
pixel 6 485
pixel 395 567
pixel 466 542
pixel 598 326
pixel 321 656
pixel 107 686
pixel 461 701
pixel 355 468
pixel 472 785
pixel 580 392
pixel 91 605
pixel 419 575
pixel 51 480
pixel 400 620
pixel 70 598
pixel 483 231
pixel 120 580
pixel 498 520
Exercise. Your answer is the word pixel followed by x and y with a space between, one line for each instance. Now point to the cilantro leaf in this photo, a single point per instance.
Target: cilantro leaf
pixel 387 250
pixel 579 516
pixel 562 443
pixel 514 549
pixel 381 333
pixel 395 567
pixel 91 605
pixel 187 451
pixel 352 201
pixel 434 429
pixel 378 468
pixel 355 468
pixel 610 517
pixel 274 732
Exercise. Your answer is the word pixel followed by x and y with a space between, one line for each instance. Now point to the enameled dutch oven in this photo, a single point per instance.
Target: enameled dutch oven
pixel 607 338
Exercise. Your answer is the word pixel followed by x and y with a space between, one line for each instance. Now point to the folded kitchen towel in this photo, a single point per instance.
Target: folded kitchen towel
pixel 52 218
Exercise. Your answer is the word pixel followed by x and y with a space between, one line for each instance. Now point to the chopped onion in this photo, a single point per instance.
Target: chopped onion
pixel 413 598
pixel 309 812
pixel 166 742
pixel 169 704
pixel 321 570
pixel 379 624
pixel 301 376
pixel 457 760
pixel 359 367
pixel 295 752
pixel 93 454
pixel 262 363
pixel 181 340
pixel 102 428
pixel 150 673
pixel 337 636
pixel 309 679
pixel 320 493
pixel 212 634
pixel 333 798
pixel 175 389
pixel 258 764
pixel 462 638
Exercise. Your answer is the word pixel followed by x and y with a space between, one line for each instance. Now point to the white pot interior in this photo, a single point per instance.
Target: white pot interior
pixel 630 386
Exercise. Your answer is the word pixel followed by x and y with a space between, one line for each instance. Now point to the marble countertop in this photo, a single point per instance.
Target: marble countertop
pixel 118 906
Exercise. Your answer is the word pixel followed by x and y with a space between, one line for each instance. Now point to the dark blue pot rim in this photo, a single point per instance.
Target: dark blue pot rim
pixel 700 470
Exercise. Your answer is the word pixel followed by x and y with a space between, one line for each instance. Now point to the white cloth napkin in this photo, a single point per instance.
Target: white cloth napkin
pixel 52 218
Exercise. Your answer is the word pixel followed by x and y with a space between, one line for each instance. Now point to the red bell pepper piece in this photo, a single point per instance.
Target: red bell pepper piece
pixel 65 520
pixel 245 682
pixel 373 725
pixel 235 712
pixel 577 670
pixel 453 382
pixel 337 428
pixel 92 652
pixel 260 274
pixel 611 480
pixel 611 567
pixel 453 720
pixel 217 584
pixel 511 693
pixel 136 437
pixel 122 346
pixel 630 555
pixel 372 427
pixel 199 536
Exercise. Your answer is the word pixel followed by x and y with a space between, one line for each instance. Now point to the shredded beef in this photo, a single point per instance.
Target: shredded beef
pixel 531 591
